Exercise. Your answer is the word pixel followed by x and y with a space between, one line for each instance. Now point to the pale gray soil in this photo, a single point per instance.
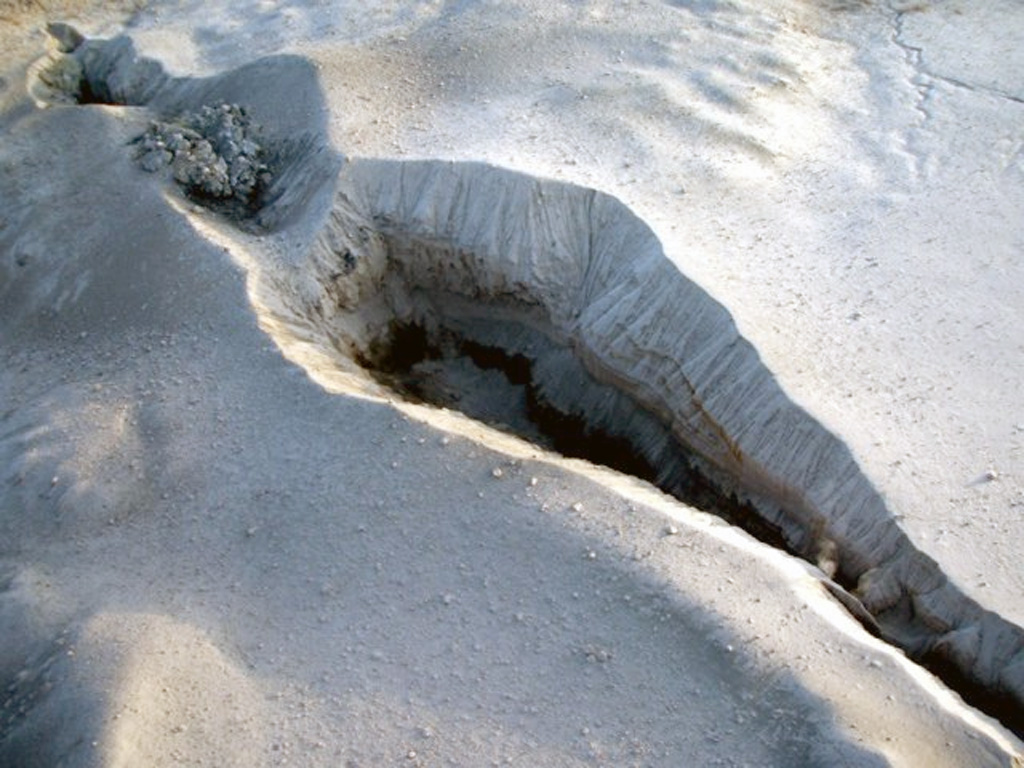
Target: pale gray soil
pixel 217 547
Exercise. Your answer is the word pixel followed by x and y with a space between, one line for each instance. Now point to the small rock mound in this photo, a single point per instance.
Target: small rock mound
pixel 214 154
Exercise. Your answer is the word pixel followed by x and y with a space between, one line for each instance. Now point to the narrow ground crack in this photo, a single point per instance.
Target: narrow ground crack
pixel 919 80
pixel 975 88
pixel 915 57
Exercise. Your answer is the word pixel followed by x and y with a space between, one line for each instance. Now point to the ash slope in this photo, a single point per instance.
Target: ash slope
pixel 195 487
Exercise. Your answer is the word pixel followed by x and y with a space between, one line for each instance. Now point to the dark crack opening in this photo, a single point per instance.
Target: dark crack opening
pixel 498 387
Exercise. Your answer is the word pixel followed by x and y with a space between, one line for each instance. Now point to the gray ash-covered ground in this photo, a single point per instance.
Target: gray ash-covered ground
pixel 214 154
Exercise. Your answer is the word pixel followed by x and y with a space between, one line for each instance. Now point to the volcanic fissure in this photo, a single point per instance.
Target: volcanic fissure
pixel 551 311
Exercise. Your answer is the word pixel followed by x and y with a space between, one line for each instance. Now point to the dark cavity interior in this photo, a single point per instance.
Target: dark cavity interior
pixel 542 393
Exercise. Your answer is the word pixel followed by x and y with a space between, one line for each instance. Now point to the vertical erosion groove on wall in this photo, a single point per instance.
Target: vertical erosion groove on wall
pixel 552 310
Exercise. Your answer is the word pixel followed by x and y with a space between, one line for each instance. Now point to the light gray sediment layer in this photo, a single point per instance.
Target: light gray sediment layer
pixel 462 246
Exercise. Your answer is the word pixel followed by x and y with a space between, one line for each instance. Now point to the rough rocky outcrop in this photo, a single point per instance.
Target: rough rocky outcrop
pixel 229 145
pixel 215 154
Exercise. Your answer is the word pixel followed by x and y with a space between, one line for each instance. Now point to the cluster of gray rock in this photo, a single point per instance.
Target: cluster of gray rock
pixel 213 153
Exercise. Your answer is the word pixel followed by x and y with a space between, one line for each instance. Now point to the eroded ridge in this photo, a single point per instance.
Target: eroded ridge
pixel 428 267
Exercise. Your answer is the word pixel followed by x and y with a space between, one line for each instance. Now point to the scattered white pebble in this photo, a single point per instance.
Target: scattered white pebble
pixel 991 474
pixel 533 481
pixel 591 555
pixel 598 655
pixel 671 531
pixel 497 472
pixel 577 507
pixel 445 440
